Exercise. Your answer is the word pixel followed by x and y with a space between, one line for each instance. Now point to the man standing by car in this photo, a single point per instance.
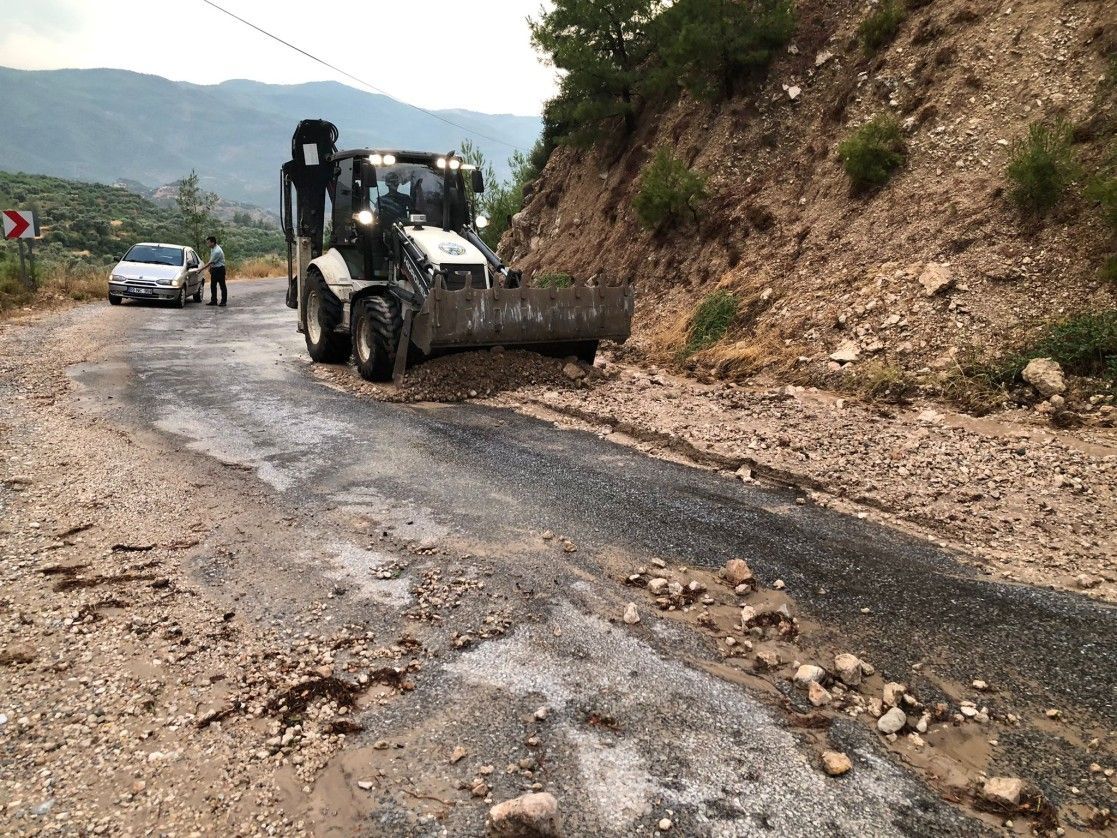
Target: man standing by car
pixel 216 265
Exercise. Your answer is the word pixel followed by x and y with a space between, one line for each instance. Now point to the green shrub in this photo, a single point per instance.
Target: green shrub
pixel 1083 345
pixel 1109 269
pixel 710 321
pixel 1041 167
pixel 1103 189
pixel 554 281
pixel 881 26
pixel 873 152
pixel 885 382
pixel 668 190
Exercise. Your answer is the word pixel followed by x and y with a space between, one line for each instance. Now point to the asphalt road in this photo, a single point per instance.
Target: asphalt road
pixel 235 384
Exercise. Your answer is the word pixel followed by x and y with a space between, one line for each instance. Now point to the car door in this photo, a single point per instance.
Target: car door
pixel 194 276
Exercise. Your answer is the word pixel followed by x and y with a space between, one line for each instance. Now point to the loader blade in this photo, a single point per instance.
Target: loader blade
pixel 523 317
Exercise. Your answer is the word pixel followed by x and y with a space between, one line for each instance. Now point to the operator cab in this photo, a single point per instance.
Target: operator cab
pixel 427 194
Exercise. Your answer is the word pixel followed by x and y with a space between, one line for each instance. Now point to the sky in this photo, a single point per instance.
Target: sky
pixel 431 53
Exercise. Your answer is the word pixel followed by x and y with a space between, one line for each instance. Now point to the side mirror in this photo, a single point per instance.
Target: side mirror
pixel 478 181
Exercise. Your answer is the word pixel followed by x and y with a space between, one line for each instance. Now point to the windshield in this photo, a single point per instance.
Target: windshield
pixel 406 189
pixel 155 255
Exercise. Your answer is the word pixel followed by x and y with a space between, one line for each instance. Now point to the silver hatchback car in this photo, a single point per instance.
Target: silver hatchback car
pixel 152 271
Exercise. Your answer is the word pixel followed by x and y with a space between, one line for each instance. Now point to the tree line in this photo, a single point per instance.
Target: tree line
pixel 617 57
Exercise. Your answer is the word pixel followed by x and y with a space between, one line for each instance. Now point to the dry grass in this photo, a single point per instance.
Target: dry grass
pixel 55 286
pixel 260 267
pixel 745 348
pixel 762 350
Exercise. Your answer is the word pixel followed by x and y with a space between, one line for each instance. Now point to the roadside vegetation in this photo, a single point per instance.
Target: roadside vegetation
pixel 1041 168
pixel 872 153
pixel 668 192
pixel 710 321
pixel 880 27
pixel 553 280
pixel 1085 345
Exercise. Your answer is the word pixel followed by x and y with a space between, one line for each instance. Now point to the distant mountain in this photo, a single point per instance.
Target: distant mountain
pixel 166 196
pixel 107 125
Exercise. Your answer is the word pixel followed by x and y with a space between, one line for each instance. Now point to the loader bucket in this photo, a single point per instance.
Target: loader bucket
pixel 545 319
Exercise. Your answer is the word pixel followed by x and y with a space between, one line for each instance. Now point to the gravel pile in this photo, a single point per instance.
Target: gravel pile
pixel 471 375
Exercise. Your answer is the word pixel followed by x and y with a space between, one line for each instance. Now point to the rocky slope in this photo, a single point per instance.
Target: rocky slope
pixel 820 270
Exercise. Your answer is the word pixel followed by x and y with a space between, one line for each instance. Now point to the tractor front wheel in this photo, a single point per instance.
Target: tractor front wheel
pixel 323 313
pixel 376 329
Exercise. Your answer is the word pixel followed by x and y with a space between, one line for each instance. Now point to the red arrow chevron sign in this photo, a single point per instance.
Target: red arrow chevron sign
pixel 19 224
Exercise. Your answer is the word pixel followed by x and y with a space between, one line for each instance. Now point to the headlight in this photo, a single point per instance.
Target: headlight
pixel 482 222
pixel 375 159
pixel 116 278
pixel 455 163
pixel 171 280
pixel 441 162
pixel 389 159
pixel 364 217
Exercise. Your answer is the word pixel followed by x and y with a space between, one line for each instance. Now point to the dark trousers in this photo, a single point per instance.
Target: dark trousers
pixel 216 278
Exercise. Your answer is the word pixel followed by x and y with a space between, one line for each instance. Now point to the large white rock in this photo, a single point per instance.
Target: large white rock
pixel 893 721
pixel 1046 376
pixel 1003 790
pixel 529 815
pixel 737 572
pixel 848 668
pixel 809 673
pixel 847 353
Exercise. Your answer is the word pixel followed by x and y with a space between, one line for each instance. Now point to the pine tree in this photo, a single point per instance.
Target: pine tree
pixel 714 47
pixel 601 46
pixel 196 206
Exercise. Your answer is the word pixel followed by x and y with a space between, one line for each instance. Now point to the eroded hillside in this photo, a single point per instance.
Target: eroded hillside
pixel 821 270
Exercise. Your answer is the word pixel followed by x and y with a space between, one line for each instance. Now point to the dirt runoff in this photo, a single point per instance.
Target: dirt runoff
pixel 469 375
pixel 1023 501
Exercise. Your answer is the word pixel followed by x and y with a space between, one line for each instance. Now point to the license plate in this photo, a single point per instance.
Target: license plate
pixel 141 291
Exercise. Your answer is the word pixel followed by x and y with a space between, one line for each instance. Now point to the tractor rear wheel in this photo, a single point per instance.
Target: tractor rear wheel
pixel 323 313
pixel 376 329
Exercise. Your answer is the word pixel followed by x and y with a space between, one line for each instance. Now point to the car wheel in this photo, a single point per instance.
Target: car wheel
pixel 198 294
pixel 115 299
pixel 180 300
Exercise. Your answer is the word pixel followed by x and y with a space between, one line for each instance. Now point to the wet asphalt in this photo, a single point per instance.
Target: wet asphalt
pixel 235 384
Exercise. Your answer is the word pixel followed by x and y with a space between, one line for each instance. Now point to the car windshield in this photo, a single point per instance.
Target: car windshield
pixel 407 189
pixel 153 254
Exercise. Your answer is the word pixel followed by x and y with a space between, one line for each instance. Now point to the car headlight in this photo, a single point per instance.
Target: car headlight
pixel 117 278
pixel 173 280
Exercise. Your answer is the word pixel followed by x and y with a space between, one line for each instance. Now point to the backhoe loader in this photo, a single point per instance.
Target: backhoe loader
pixel 403 275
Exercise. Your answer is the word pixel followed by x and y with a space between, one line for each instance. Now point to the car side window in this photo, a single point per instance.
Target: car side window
pixel 192 259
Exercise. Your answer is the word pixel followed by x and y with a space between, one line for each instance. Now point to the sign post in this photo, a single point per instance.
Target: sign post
pixel 20 225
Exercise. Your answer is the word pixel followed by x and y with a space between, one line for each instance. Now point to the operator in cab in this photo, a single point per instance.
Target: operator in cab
pixel 393 205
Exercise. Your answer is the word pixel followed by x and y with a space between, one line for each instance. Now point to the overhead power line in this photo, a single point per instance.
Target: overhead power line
pixel 361 81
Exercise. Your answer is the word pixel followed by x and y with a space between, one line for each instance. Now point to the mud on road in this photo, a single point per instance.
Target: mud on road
pixel 205 632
